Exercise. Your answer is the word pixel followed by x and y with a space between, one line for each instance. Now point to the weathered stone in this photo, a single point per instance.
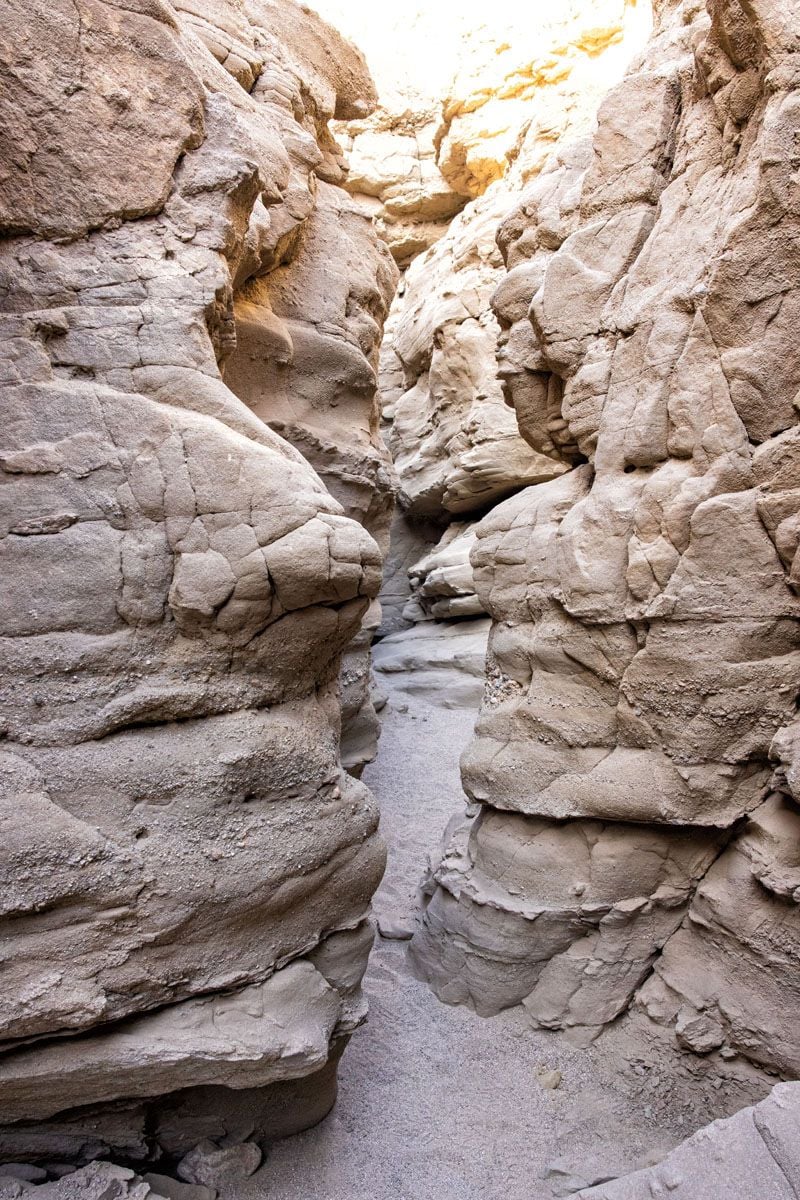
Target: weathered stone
pixel 179 585
pixel 565 918
pixel 442 583
pixel 24 1171
pixel 454 442
pixel 642 661
pixel 458 97
pixel 174 1189
pixel 98 1181
pixel 754 1154
pixel 442 664
pixel 276 1030
pixel 219 1167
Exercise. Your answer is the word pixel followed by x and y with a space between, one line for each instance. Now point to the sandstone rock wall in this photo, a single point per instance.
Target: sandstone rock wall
pixel 460 90
pixel 395 176
pixel 636 754
pixel 186 868
pixel 754 1153
pixel 532 80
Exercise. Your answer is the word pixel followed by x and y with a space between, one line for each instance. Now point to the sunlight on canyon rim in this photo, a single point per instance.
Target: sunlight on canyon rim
pixel 419 47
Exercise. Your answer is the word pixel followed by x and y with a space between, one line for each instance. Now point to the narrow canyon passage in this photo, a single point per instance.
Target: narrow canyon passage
pixel 435 1101
pixel 400 451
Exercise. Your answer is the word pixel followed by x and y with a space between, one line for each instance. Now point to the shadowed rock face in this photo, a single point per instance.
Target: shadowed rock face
pixel 178 583
pixel 642 670
pixel 307 341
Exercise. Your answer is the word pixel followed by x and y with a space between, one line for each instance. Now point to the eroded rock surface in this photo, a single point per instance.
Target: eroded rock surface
pixel 460 90
pixel 442 581
pixel 456 443
pixel 642 668
pixel 183 855
pixel 753 1154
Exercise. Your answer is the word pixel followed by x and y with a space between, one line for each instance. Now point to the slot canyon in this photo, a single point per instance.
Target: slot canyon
pixel 400 566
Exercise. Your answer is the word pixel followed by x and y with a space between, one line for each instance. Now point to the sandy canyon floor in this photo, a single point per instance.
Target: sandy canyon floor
pixel 437 1102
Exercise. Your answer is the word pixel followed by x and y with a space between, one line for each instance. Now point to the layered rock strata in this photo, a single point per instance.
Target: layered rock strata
pixel 187 869
pixel 395 177
pixel 636 754
pixel 456 444
pixel 442 582
pixel 308 333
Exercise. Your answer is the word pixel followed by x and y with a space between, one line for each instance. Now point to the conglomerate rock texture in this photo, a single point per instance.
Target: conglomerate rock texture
pixel 186 868
pixel 636 756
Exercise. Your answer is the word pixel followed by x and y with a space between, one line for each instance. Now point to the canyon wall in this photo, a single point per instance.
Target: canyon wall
pixel 194 493
pixel 533 82
pixel 754 1153
pixel 461 89
pixel 635 761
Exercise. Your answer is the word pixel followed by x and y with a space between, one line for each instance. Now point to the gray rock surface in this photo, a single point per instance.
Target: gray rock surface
pixel 454 441
pixel 98 1181
pixel 219 1166
pixel 749 1156
pixel 642 662
pixel 179 585
pixel 197 505
pixel 174 1189
pixel 443 662
pixel 257 1035
pixel 435 1101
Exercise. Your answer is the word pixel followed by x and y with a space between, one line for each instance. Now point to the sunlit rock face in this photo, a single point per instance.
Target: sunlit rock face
pixel 642 678
pixel 395 176
pixel 457 445
pixel 179 583
pixel 414 52
pixel 459 88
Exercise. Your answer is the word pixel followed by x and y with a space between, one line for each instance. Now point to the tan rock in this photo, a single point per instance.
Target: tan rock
pixel 643 658
pixel 457 446
pixel 460 95
pixel 566 919
pixel 454 442
pixel 442 582
pixel 179 584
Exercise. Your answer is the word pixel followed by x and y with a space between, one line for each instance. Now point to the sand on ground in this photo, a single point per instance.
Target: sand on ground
pixel 435 1101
